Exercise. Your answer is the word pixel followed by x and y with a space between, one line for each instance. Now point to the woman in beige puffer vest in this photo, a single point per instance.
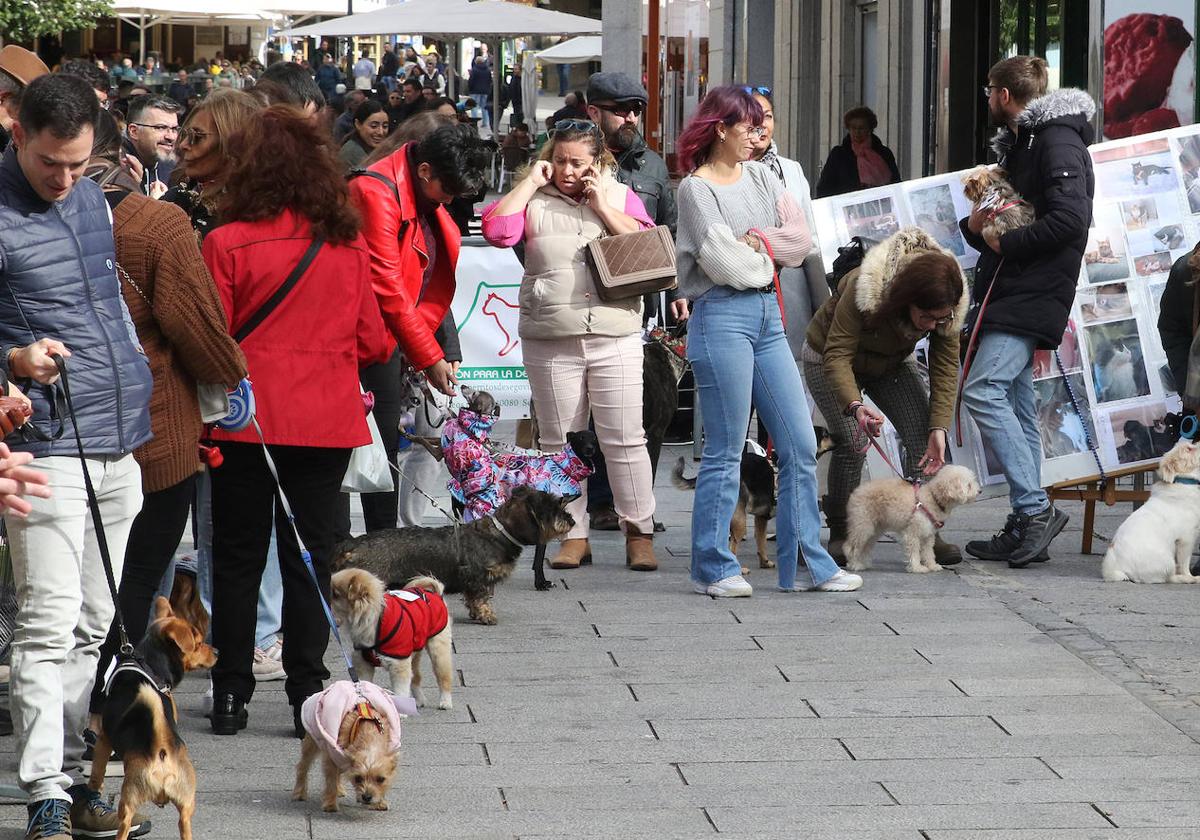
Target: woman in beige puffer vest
pixel 582 355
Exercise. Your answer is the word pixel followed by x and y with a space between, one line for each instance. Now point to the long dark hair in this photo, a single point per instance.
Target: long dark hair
pixel 928 282
pixel 286 162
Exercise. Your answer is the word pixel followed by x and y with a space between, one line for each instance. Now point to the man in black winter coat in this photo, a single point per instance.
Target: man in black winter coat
pixel 1027 278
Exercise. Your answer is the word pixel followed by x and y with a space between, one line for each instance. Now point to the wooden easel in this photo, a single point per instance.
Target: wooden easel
pixel 1087 490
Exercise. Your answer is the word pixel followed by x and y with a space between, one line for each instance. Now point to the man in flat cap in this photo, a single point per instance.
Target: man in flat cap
pixel 615 103
pixel 18 67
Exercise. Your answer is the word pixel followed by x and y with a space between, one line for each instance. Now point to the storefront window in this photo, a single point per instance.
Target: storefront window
pixel 1032 27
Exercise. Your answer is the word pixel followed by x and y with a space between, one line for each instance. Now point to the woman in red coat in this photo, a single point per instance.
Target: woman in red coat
pixel 285 194
pixel 414 251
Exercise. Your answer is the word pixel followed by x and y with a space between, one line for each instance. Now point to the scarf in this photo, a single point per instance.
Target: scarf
pixel 873 171
pixel 771 158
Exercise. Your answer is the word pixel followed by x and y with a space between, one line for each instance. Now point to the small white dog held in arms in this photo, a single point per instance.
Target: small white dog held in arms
pixel 914 513
pixel 1155 544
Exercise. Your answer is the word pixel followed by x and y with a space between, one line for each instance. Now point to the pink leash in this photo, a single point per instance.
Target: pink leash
pixel 916 485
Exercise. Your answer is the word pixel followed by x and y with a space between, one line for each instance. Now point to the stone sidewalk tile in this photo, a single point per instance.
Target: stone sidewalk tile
pixel 581 728
pixel 1143 791
pixel 1183 813
pixel 1091 684
pixel 882 770
pixel 666 752
pixel 1124 767
pixel 922 817
pixel 792 691
pixel 804 728
pixel 1115 703
pixel 1061 834
pixel 1001 745
pixel 734 792
pixel 1084 723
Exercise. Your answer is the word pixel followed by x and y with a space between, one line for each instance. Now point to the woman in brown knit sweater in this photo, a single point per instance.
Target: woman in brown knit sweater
pixel 181 324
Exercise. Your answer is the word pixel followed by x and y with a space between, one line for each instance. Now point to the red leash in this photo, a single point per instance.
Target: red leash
pixel 916 485
pixel 774 273
pixel 969 357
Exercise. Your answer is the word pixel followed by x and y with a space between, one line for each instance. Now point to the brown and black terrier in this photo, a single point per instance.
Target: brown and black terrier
pixel 470 558
pixel 139 721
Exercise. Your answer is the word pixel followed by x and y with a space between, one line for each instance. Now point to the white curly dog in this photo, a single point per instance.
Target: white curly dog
pixel 914 513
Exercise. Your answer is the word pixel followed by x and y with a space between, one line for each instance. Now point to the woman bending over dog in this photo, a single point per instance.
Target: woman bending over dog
pixel 581 353
pixel 735 221
pixel 861 341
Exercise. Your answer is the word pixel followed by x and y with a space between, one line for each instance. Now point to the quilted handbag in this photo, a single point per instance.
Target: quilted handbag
pixel 630 265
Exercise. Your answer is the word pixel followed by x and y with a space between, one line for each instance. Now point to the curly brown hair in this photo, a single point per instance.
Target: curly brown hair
pixel 929 282
pixel 283 161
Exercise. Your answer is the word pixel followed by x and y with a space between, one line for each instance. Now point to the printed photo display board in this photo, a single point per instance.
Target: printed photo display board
pixel 1146 215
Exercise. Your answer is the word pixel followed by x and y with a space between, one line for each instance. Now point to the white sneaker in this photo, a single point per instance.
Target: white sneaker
pixel 206 702
pixel 730 587
pixel 843 581
pixel 268 664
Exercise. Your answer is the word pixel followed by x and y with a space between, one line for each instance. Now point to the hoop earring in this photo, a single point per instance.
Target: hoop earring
pixel 722 136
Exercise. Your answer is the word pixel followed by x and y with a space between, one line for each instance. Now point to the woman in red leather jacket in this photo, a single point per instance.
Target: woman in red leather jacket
pixel 286 193
pixel 414 250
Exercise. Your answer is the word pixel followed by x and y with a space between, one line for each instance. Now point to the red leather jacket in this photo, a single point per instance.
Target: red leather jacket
pixel 399 255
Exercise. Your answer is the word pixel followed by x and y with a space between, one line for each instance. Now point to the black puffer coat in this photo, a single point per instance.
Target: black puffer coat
pixel 1049 165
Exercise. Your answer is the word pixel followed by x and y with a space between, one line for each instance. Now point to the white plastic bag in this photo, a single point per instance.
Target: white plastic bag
pixel 369 471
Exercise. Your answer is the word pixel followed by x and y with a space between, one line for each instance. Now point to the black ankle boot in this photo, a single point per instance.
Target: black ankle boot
pixel 228 715
pixel 296 721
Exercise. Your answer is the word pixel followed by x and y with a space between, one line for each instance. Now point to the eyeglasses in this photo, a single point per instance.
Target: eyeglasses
pixel 987 90
pixel 757 131
pixel 760 90
pixel 192 136
pixel 623 111
pixel 574 125
pixel 169 129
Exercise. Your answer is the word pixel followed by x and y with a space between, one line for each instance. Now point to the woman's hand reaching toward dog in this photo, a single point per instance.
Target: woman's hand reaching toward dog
pixel 869 419
pixel 935 453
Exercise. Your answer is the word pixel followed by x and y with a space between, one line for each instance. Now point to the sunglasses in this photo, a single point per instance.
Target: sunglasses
pixel 760 90
pixel 192 136
pixel 586 126
pixel 624 111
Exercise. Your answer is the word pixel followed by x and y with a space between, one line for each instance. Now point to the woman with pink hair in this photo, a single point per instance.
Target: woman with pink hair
pixel 736 223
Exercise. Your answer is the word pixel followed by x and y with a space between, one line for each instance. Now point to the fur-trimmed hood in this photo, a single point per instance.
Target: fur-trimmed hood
pixel 1069 106
pixel 885 260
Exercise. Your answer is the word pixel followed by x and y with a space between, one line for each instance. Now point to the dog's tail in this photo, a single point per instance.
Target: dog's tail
pixel 428 583
pixel 678 478
pixel 1110 570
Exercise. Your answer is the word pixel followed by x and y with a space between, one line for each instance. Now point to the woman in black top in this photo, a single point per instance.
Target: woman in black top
pixel 860 161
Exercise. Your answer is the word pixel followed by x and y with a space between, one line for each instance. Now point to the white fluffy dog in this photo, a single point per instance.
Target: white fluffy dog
pixel 1155 544
pixel 889 504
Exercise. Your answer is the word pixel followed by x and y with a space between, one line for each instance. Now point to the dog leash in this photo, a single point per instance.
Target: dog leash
pixel 969 356
pixel 126 648
pixel 916 485
pixel 306 555
pixel 1087 434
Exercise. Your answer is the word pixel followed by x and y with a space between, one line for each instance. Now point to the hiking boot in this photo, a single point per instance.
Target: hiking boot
pixel 734 586
pixel 229 715
pixel 91 816
pixel 268 662
pixel 639 552
pixel 835 518
pixel 604 519
pixel 571 554
pixel 944 553
pixel 1003 544
pixel 49 819
pixel 1040 529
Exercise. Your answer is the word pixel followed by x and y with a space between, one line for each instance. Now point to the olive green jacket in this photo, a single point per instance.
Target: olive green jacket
pixel 852 350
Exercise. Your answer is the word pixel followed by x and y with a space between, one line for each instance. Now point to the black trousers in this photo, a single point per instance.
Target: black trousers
pixel 244 505
pixel 381 510
pixel 155 535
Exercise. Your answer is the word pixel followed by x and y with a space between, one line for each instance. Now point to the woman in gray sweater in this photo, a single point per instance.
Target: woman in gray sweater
pixel 736 222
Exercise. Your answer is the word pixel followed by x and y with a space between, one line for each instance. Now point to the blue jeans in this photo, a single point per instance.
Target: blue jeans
pixel 738 352
pixel 999 394
pixel 564 79
pixel 483 100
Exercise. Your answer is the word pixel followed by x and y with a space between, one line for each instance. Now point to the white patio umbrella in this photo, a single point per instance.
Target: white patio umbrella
pixel 573 51
pixel 146 13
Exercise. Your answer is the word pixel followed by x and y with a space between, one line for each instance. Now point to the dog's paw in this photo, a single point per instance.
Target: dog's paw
pixel 935 566
pixel 486 616
pixel 856 565
pixel 418 697
pixel 299 795
pixel 766 563
pixel 330 807
pixel 378 806
pixel 918 569
pixel 445 702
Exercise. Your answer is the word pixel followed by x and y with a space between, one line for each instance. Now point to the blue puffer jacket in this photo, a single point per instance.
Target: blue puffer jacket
pixel 57 280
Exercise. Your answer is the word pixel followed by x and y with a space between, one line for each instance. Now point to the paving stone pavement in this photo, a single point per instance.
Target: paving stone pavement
pixel 979 703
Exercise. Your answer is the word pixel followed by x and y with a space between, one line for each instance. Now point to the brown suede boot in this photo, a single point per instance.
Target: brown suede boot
pixel 571 554
pixel 639 552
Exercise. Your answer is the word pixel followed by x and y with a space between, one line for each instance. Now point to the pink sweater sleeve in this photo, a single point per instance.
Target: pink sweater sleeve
pixel 503 231
pixel 790 241
pixel 635 208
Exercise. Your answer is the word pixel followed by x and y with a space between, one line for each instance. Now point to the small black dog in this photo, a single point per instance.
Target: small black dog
pixel 484 552
pixel 756 496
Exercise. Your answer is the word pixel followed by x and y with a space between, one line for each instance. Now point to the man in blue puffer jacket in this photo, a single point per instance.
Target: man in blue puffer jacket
pixel 59 293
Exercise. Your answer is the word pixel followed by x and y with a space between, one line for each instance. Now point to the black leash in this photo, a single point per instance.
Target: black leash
pixel 126 650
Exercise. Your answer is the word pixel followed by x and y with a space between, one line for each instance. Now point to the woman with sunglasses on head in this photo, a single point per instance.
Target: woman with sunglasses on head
pixel 414 246
pixel 736 221
pixel 581 354
pixel 861 341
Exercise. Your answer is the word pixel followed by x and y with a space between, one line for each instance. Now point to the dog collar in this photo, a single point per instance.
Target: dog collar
pixel 1183 479
pixel 364 711
pixel 504 533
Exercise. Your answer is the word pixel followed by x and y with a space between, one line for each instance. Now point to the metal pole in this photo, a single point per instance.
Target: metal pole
pixel 653 86
pixel 497 78
pixel 141 34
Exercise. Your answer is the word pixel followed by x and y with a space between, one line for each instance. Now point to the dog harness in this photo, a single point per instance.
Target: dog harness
pixel 482 473
pixel 410 617
pixel 322 714
pixel 918 505
pixel 133 666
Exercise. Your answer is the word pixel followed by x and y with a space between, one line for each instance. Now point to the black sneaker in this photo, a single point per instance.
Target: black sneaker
pixel 1036 535
pixel 49 819
pixel 1002 545
pixel 92 816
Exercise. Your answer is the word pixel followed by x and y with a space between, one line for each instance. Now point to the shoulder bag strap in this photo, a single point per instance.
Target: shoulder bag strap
pixel 379 176
pixel 267 308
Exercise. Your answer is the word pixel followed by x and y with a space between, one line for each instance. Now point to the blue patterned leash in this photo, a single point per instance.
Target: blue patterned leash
pixel 1087 434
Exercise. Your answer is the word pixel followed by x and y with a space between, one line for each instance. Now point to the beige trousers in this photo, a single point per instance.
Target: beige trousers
pixel 601 375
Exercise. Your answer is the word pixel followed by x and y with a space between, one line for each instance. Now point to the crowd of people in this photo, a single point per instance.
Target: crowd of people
pixel 249 233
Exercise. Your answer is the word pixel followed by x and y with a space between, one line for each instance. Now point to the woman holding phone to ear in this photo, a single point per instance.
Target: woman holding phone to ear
pixel 582 355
